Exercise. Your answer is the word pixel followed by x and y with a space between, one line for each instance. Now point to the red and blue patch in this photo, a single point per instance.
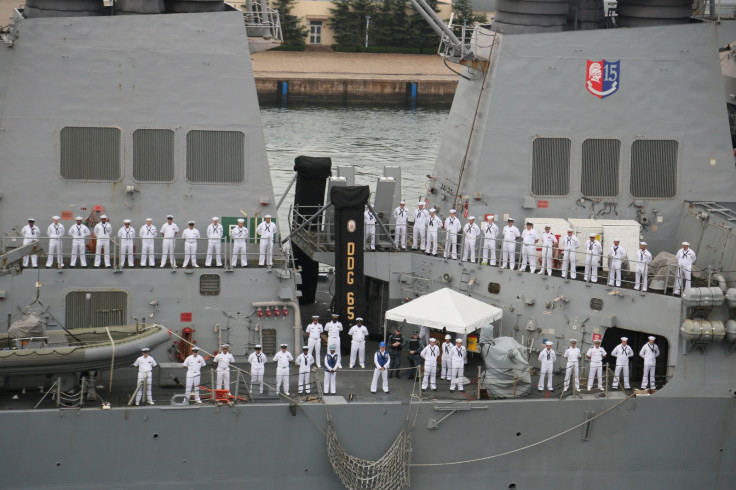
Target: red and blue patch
pixel 603 78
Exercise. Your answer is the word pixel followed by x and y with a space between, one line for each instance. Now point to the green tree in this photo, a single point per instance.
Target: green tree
pixel 390 26
pixel 420 34
pixel 464 12
pixel 293 31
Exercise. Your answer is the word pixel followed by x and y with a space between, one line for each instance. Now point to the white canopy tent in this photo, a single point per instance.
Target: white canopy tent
pixel 447 309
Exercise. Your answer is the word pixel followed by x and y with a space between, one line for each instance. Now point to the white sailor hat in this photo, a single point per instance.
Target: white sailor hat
pixel 597 341
pixel 617 239
pixel 432 210
pixel 225 346
pixel 284 346
pixel 241 220
pixel 332 347
pixel 432 339
pixel 195 348
pixel 306 347
pixel 643 243
pixel 510 219
pixel 126 221
pixel 258 346
pixel 652 337
pixel 472 218
pixel 145 349
pixel 315 316
pixel 420 203
pixel 359 319
pixel 458 340
pixel 55 218
pixel 169 216
pixel 191 222
pixel 335 315
pixel 448 336
pixel 453 211
pixel 529 223
pixel 591 235
pixel 569 230
pixel 546 227
pixel 624 338
pixel 686 243
pixel 402 202
pixel 149 219
pixel 549 342
pixel 573 341
pixel 267 216
pixel 215 218
pixel 78 218
pixel 32 220
pixel 490 216
pixel 103 216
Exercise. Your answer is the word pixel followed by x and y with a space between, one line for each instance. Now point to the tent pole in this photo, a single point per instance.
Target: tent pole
pixel 385 323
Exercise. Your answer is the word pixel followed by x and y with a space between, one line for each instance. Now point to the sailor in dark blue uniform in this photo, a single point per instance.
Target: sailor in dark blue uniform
pixel 382 361
pixel 331 365
pixel 415 347
pixel 396 343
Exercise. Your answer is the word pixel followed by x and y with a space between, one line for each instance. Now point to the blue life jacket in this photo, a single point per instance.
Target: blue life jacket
pixel 382 358
pixel 330 361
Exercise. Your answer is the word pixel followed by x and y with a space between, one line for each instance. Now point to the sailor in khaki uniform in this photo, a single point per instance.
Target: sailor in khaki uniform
pixel 223 361
pixel 358 332
pixel 622 352
pixel 257 362
pixel 572 354
pixel 643 258
pixel 510 235
pixel 282 360
pixel 616 255
pixel 459 356
pixel 126 234
pixel 593 251
pixel 331 367
pixel 31 233
pixel 547 357
pixel 267 231
pixel 529 238
pixel 431 355
pixel 79 233
pixel 650 353
pixel 214 244
pixel 194 364
pixel 452 228
pixel 304 361
pixel 421 216
pixel 445 351
pixel 103 230
pixel 168 231
pixel 434 223
pixel 685 260
pixel 148 234
pixel 472 232
pixel 549 240
pixel 596 354
pixel 569 245
pixel 381 361
pixel 370 228
pixel 55 231
pixel 145 364
pixel 314 341
pixel 490 232
pixel 239 237
pixel 190 236
pixel 401 215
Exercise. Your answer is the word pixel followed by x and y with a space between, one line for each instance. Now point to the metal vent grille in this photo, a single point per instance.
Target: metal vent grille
pixel 153 155
pixel 551 166
pixel 268 341
pixel 215 157
pixel 102 309
pixel 654 168
pixel 90 154
pixel 209 284
pixel 599 173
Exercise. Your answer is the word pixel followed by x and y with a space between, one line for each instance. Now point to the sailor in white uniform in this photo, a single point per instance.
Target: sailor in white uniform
pixel 593 251
pixel 572 354
pixel 430 354
pixel 102 230
pixel 169 231
pixel 239 237
pixel 459 356
pixel 257 362
pixel 194 364
pixel 569 245
pixel 596 354
pixel 434 223
pixel 282 360
pixel 490 232
pixel 304 361
pixel 643 258
pixel 314 341
pixel 685 260
pixel 358 332
pixel 401 215
pixel 381 361
pixel 452 228
pixel 214 242
pixel 145 364
pixel 191 236
pixel 267 231
pixel 331 367
pixel 126 234
pixel 55 231
pixel 616 255
pixel 547 357
pixel 31 233
pixel 148 234
pixel 79 233
pixel 333 329
pixel 471 232
pixel 370 228
pixel 510 235
pixel 529 238
pixel 622 352
pixel 650 353
pixel 223 360
pixel 419 238
pixel 446 352
pixel 549 240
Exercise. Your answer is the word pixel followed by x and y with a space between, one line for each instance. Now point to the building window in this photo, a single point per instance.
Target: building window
pixel 654 169
pixel 215 157
pixel 153 155
pixel 86 309
pixel 90 154
pixel 315 32
pixel 599 172
pixel 551 166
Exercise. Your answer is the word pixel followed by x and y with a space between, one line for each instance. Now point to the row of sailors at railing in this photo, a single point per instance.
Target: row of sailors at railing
pixel 103 231
pixel 427 225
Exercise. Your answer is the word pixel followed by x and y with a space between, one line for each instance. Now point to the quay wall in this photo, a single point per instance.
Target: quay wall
pixel 355 88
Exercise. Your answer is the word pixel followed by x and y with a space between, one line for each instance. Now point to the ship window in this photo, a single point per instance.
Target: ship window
pixel 599 172
pixel 96 309
pixel 153 155
pixel 494 287
pixel 209 284
pixel 90 154
pixel 654 168
pixel 215 157
pixel 551 166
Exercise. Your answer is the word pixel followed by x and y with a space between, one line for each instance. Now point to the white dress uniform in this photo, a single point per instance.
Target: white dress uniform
pixel 126 235
pixel 55 231
pixel 357 345
pixel 529 238
pixel 382 361
pixel 79 233
pixel 145 365
pixel 190 236
pixel 549 240
pixel 593 251
pixel 31 233
pixel 434 223
pixel 419 239
pixel 239 237
pixel 148 233
pixel 282 360
pixel 370 228
pixel 572 354
pixel 267 232
pixel 102 236
pixel 214 244
pixel 314 342
pixel 452 228
pixel 490 232
pixel 223 361
pixel 685 261
pixel 510 235
pixel 257 362
pixel 304 361
pixel 570 244
pixel 168 231
pixel 547 357
pixel 430 354
pixel 650 353
pixel 194 364
pixel 445 350
pixel 331 373
pixel 617 254
pixel 643 257
pixel 622 353
pixel 401 215
pixel 458 356
pixel 333 329
pixel 596 355
pixel 472 232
